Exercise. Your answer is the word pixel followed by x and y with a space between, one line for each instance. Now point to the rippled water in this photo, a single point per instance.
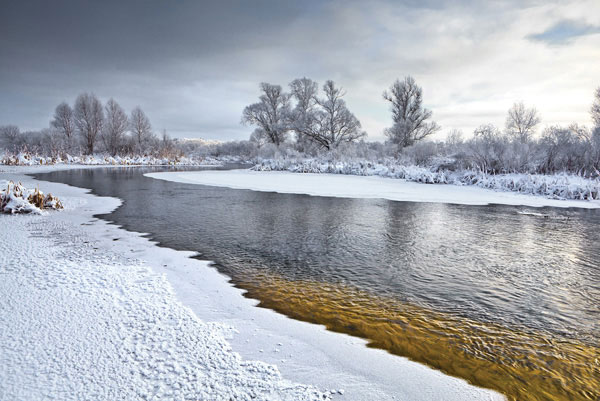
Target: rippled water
pixel 516 269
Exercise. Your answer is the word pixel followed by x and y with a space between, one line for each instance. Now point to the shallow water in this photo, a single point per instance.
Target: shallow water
pixel 506 297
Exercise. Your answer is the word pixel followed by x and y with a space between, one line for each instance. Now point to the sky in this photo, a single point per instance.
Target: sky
pixel 193 66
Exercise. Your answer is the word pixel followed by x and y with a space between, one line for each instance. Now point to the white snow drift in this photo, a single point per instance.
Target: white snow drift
pixel 350 186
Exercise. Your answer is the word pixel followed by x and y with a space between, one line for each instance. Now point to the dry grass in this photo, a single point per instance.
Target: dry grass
pixel 18 199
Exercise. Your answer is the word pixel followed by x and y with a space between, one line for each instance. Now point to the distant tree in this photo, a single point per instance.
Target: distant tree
pixel 596 109
pixel 167 146
pixel 564 149
pixel 521 122
pixel 335 124
pixel 89 119
pixel 488 148
pixel 408 115
pixel 10 137
pixel 115 127
pixel 141 130
pixel 454 138
pixel 271 113
pixel 64 123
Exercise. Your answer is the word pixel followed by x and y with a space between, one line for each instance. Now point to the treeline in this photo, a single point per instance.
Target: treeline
pixel 315 122
pixel 90 127
pixel 305 122
pixel 300 122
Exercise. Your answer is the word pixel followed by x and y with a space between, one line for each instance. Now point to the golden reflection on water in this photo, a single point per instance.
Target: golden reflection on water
pixel 522 365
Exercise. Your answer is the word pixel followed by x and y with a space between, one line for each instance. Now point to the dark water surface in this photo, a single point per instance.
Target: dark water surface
pixel 523 269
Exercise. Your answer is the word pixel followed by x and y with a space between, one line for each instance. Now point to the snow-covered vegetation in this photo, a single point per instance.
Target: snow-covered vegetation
pixel 556 186
pixel 16 198
pixel 302 131
pixel 32 159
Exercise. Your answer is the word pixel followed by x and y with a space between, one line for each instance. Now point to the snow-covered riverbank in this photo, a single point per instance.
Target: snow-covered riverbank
pixel 554 186
pixel 352 186
pixel 91 311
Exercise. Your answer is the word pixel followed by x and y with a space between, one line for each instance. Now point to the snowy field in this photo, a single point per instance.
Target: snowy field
pixel 91 311
pixel 351 186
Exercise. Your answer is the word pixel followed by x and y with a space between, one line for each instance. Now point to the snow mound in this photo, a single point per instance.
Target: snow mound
pixel 15 198
pixel 557 186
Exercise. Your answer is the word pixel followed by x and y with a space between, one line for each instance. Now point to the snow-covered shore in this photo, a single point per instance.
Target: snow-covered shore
pixel 32 159
pixel 554 186
pixel 91 311
pixel 352 186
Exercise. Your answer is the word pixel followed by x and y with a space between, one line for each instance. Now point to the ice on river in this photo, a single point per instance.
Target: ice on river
pixel 350 186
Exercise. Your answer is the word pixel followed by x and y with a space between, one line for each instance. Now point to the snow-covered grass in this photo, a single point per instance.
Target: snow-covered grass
pixel 32 159
pixel 16 198
pixel 558 186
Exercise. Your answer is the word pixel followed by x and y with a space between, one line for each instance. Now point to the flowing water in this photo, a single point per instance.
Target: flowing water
pixel 506 297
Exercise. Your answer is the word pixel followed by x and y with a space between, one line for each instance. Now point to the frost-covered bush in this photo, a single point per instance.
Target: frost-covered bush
pixel 15 198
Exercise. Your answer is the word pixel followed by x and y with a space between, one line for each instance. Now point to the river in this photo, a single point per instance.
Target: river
pixel 506 297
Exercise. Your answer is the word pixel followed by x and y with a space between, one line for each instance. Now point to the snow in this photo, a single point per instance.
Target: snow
pixel 91 311
pixel 351 186
pixel 15 198
pixel 31 159
pixel 555 186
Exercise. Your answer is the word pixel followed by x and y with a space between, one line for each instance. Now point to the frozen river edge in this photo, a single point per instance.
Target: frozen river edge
pixel 352 186
pixel 92 311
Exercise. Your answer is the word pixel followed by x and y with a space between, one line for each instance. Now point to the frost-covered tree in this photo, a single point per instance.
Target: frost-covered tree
pixel 488 148
pixel 258 138
pixel 564 149
pixel 303 117
pixel 141 130
pixel 408 114
pixel 115 127
pixel 271 113
pixel 521 122
pixel 10 137
pixel 89 119
pixel 595 111
pixel 335 124
pixel 64 123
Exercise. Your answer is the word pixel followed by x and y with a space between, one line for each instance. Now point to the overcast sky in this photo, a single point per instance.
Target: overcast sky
pixel 193 66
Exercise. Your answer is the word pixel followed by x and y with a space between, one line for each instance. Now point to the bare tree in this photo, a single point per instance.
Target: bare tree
pixel 408 114
pixel 89 119
pixel 596 109
pixel 521 122
pixel 335 124
pixel 258 137
pixel 115 127
pixel 304 91
pixel 64 123
pixel 167 146
pixel 488 148
pixel 10 137
pixel 271 113
pixel 141 130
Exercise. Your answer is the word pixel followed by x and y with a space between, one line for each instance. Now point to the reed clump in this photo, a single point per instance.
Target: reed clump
pixel 16 198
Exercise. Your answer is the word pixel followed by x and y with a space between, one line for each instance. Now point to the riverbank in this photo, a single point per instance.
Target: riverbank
pixel 140 319
pixel 353 186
